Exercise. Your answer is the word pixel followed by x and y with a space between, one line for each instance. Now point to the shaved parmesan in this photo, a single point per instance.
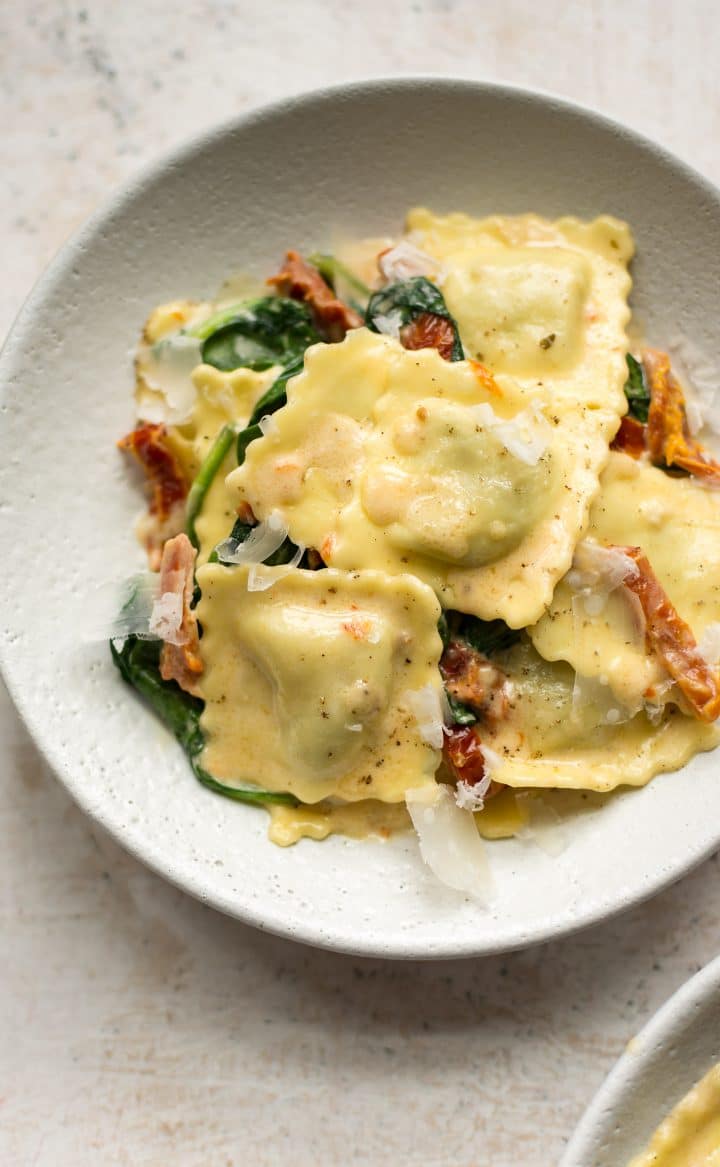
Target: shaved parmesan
pixel 389 323
pixel 115 611
pixel 404 261
pixel 166 370
pixel 473 797
pixel 526 436
pixel 596 572
pixel 166 618
pixel 449 841
pixel 426 707
pixel 262 542
pixel 261 578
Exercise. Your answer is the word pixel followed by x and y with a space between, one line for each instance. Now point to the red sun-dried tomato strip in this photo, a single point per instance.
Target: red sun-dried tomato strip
pixel 470 677
pixel 181 662
pixel 167 483
pixel 630 437
pixel 301 281
pixel 428 330
pixel 463 755
pixel 464 758
pixel 667 432
pixel 668 635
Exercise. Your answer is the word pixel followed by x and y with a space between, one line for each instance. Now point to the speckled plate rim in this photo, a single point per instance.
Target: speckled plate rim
pixel 564 921
pixel 666 1027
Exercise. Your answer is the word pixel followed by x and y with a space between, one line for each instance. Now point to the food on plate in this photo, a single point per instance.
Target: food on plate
pixel 690 1135
pixel 425 539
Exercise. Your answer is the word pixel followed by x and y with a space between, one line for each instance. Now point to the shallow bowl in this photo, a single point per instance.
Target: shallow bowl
pixel 658 1068
pixel 346 161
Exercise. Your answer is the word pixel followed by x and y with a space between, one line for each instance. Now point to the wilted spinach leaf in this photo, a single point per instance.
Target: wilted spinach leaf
pixel 636 391
pixel 257 334
pixel 404 301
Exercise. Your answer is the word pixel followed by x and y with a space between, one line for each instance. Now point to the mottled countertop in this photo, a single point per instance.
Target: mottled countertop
pixel 138 1027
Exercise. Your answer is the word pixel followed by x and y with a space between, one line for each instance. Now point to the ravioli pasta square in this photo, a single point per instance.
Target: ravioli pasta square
pixel 545 301
pixel 310 685
pixel 600 635
pixel 558 735
pixel 403 461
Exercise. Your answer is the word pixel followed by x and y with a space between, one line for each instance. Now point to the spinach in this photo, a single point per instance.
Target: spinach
pixel 332 271
pixel 636 391
pixel 462 714
pixel 256 334
pixel 485 636
pixel 139 664
pixel 204 478
pixel 245 437
pixel 407 300
pixel 276 396
pixel 272 399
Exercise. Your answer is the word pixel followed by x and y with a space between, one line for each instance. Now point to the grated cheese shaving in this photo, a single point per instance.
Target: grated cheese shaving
pixel 405 260
pixel 449 841
pixel 260 578
pixel 526 436
pixel 262 542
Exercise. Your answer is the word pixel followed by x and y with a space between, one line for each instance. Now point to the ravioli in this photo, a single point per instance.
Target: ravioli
pixel 677 524
pixel 556 736
pixel 309 685
pixel 403 461
pixel 543 301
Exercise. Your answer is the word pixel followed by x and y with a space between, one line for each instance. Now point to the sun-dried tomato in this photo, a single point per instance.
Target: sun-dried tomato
pixel 463 754
pixel 630 438
pixel 473 679
pixel 167 483
pixel 301 281
pixel 668 436
pixel 672 639
pixel 429 330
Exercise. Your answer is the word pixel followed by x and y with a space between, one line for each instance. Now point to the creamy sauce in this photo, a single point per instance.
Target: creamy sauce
pixel 676 521
pixel 549 738
pixel 690 1135
pixel 369 819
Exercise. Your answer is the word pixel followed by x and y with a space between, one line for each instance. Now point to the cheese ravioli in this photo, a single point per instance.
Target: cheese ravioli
pixel 556 735
pixel 543 301
pixel 402 461
pixel 310 684
pixel 677 523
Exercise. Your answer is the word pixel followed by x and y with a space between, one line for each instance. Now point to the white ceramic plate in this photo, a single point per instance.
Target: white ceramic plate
pixel 350 160
pixel 674 1050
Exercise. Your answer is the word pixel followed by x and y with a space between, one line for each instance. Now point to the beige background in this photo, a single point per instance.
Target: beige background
pixel 136 1026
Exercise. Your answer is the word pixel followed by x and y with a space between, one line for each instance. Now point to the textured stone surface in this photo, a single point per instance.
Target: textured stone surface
pixel 136 1026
